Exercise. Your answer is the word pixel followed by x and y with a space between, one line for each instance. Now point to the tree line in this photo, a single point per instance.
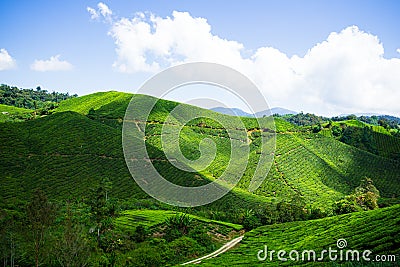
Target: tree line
pixel 30 98
pixel 42 232
pixel 82 232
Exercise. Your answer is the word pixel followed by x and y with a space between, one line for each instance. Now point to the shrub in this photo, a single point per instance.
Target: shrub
pixel 144 256
pixel 180 222
pixel 140 234
pixel 336 131
pixel 184 247
pixel 172 234
pixel 199 233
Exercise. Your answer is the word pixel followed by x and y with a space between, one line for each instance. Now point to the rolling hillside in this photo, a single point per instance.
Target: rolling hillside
pixel 377 230
pixel 372 138
pixel 67 152
pixel 98 101
pixel 11 113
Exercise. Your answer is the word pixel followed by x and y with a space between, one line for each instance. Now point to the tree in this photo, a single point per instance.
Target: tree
pixel 329 125
pixel 351 117
pixel 102 208
pixel 317 128
pixel 9 237
pixel 384 123
pixel 107 185
pixel 177 226
pixel 250 221
pixel 40 214
pixel 336 131
pixel 72 249
pixel 140 234
pixel 367 194
pixel 346 205
pixel 364 197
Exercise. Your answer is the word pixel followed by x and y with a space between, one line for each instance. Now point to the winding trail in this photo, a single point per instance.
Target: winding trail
pixel 221 250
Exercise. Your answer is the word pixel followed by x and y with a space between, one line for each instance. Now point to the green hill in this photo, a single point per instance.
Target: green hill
pixel 377 230
pixel 67 152
pixel 112 103
pixel 372 138
pixel 11 113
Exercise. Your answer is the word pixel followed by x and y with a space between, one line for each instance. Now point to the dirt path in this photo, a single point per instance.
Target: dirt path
pixel 221 250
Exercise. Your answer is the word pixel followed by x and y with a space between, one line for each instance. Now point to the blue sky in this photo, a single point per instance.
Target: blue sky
pixel 304 55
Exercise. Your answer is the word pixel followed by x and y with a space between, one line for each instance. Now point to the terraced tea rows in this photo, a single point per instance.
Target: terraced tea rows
pixel 377 230
pixel 69 152
pixel 130 219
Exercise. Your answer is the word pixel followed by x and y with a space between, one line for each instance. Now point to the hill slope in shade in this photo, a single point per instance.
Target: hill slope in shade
pixel 372 138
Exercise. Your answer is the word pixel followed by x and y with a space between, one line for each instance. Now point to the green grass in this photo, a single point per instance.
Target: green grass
pixel 107 102
pixel 130 219
pixel 377 230
pixel 284 126
pixel 9 113
pixel 13 110
pixel 355 123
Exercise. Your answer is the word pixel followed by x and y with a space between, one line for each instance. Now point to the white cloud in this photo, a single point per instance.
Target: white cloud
pixel 6 61
pixel 345 73
pixel 93 13
pixel 148 43
pixel 102 9
pixel 53 64
pixel 398 50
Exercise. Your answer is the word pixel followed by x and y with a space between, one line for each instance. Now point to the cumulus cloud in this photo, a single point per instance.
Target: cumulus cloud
pixel 102 9
pixel 148 43
pixel 6 61
pixel 398 50
pixel 345 73
pixel 52 64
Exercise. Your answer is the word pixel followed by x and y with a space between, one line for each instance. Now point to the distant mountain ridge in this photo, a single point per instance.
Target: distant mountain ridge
pixel 241 113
